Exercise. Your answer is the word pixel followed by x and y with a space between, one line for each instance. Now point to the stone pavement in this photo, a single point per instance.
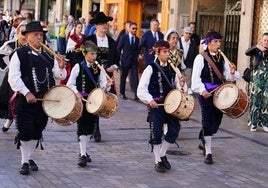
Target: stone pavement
pixel 124 159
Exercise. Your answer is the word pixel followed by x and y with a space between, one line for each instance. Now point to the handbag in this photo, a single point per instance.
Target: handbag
pixel 247 75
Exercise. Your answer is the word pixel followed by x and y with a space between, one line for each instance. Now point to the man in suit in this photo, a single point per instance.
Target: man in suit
pixel 128 47
pixel 190 50
pixel 148 40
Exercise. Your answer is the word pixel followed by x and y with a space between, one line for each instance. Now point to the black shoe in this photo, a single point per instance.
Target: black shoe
pixel 82 161
pixel 208 159
pixel 202 147
pixel 24 169
pixel 123 97
pixel 159 167
pixel 165 162
pixel 33 166
pixel 97 138
pixel 7 124
pixel 4 129
pixel 88 158
pixel 186 119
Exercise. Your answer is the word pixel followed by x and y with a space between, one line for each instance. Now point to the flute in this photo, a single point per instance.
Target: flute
pixel 226 59
pixel 61 61
pixel 103 70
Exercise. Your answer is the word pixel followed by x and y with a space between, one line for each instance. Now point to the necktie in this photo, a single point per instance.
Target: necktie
pixel 155 37
pixel 132 40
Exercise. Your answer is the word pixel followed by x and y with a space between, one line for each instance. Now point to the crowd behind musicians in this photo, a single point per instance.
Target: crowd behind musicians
pixel 101 47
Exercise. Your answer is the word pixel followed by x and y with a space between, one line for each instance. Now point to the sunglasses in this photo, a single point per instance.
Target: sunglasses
pixel 188 33
pixel 134 28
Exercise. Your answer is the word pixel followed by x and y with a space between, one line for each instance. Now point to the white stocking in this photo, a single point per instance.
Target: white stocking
pixel 32 144
pixel 24 151
pixel 208 144
pixel 164 148
pixel 157 153
pixel 83 144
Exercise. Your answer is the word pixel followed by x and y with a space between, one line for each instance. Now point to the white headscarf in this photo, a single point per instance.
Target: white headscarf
pixel 168 32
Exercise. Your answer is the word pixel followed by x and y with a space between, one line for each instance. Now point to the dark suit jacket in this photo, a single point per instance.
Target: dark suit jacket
pixel 130 52
pixel 192 53
pixel 113 57
pixel 147 42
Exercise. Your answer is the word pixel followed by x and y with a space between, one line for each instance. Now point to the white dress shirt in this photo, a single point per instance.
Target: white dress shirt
pixel 185 45
pixel 74 73
pixel 143 92
pixel 197 85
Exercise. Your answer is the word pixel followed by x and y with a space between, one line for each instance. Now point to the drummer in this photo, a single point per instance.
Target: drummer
pixel 31 75
pixel 157 80
pixel 204 81
pixel 85 77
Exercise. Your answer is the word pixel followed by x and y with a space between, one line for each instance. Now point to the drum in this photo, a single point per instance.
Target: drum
pixel 231 100
pixel 179 104
pixel 102 103
pixel 62 105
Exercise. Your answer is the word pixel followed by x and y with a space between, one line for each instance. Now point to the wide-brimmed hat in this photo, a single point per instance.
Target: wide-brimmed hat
pixel 101 18
pixel 33 27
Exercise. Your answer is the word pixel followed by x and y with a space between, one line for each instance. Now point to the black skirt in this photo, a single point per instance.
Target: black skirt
pixel 5 94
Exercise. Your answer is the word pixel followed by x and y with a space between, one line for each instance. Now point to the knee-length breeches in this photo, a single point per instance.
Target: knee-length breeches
pixel 31 119
pixel 211 116
pixel 157 118
pixel 86 123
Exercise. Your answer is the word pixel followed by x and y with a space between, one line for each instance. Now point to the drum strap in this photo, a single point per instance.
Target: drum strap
pixel 212 64
pixel 88 73
pixel 163 73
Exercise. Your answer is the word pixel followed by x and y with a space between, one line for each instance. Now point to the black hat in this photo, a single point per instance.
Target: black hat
pixel 100 18
pixel 32 27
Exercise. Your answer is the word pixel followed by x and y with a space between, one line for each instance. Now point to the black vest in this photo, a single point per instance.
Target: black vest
pixel 36 73
pixel 156 81
pixel 205 74
pixel 83 81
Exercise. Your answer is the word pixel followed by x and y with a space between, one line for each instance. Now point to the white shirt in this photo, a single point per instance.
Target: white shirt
pixel 14 75
pixel 102 42
pixel 185 46
pixel 155 34
pixel 143 92
pixel 197 85
pixel 74 73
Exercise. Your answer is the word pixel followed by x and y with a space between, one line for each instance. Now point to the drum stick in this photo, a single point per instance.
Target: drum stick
pixel 48 100
pixel 213 90
pixel 102 69
pixel 85 100
pixel 163 104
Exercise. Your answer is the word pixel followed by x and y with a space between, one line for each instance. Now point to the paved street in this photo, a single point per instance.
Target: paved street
pixel 124 159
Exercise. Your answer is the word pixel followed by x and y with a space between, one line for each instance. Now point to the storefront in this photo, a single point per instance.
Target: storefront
pixel 139 11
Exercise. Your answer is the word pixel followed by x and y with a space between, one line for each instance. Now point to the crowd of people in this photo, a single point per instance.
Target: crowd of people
pixel 85 49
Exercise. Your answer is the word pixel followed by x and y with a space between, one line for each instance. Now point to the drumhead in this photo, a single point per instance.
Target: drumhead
pixel 172 101
pixel 95 100
pixel 65 103
pixel 225 96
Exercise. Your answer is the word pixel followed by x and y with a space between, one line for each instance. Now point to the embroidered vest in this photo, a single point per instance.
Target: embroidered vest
pixel 35 72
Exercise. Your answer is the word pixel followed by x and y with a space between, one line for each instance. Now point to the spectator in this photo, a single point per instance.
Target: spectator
pixel 148 40
pixel 258 116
